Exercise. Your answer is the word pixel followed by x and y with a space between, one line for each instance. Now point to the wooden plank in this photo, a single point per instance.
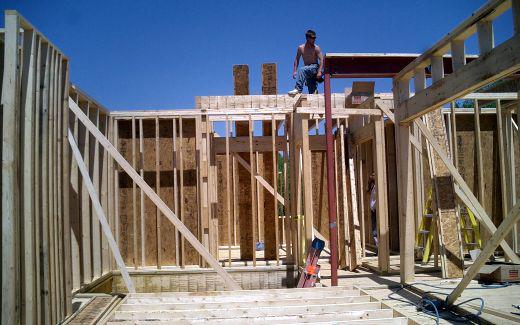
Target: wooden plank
pixel 500 61
pixel 103 126
pixel 116 183
pixel 83 142
pixel 381 200
pixel 502 159
pixel 158 191
pixel 468 198
pixel 478 151
pixel 37 177
pixel 230 283
pixel 485 36
pixel 100 213
pixel 181 191
pixel 405 186
pixel 228 193
pixel 253 191
pixel 134 199
pixel 142 206
pixel 96 235
pixel 27 175
pixel 45 240
pixel 275 182
pixel 263 144
pixel 458 54
pixel 175 189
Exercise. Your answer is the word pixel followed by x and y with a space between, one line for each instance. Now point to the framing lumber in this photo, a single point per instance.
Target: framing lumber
pixel 449 228
pixel 467 196
pixel 499 62
pixel 230 283
pixel 381 191
pixel 100 213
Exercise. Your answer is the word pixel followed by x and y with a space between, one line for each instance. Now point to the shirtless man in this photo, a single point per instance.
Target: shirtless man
pixel 311 71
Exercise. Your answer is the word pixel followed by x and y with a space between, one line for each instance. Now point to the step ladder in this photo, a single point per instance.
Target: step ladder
pixel 470 230
pixel 427 227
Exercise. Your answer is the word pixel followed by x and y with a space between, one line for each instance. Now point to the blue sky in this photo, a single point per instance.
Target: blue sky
pixel 161 54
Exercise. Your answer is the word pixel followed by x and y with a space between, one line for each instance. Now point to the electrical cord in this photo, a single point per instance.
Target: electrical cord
pixel 439 309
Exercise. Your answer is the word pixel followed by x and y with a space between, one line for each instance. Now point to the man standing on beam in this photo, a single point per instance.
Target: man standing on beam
pixel 311 72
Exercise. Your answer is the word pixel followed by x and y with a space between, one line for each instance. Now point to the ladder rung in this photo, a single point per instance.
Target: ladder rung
pixel 419 247
pixel 429 215
pixel 424 231
pixel 468 228
pixel 472 244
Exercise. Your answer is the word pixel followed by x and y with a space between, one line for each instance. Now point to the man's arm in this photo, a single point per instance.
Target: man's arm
pixel 322 57
pixel 296 62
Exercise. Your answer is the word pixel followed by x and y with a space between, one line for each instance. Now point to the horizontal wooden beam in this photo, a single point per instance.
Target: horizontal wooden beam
pixel 498 63
pixel 262 144
pixel 363 134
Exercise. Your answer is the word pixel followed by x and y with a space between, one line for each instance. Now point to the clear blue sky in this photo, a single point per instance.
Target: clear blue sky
pixel 161 54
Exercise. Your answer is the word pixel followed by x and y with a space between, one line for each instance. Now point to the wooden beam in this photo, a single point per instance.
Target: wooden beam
pixel 486 40
pixel 501 61
pixel 382 199
pixel 262 144
pixel 307 182
pixel 405 185
pixel 230 283
pixel 100 214
pixel 141 173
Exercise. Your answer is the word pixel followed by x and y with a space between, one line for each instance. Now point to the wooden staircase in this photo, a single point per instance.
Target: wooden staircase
pixel 320 305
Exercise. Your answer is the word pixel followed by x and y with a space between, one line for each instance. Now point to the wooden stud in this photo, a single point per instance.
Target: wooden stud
pixel 478 151
pixel 134 198
pixel 502 159
pixel 158 191
pixel 181 190
pixel 485 36
pixel 381 201
pixel 228 194
pixel 176 190
pixel 275 185
pixel 405 185
pixel 458 54
pixel 96 235
pixel 141 172
pixel 253 192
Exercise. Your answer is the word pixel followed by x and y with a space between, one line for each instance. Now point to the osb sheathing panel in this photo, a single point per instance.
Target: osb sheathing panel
pixel 391 172
pixel 166 191
pixel 319 192
pixel 221 202
pixel 490 158
pixel 449 224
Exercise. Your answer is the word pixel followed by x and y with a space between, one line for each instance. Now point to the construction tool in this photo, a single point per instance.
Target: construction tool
pixel 309 274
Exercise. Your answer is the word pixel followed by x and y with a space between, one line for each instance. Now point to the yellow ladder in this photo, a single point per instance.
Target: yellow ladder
pixel 424 237
pixel 469 225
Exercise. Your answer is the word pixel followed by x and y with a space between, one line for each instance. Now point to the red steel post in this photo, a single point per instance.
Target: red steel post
pixel 331 181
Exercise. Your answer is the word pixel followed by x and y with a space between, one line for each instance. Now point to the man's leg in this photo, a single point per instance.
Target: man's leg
pixel 311 72
pixel 300 78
